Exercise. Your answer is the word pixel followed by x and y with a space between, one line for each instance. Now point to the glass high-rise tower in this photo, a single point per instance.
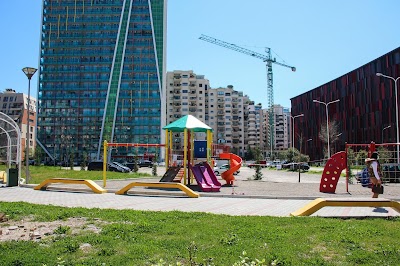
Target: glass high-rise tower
pixel 101 75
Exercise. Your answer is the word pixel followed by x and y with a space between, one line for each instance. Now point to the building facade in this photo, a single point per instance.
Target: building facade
pixel 101 75
pixel 283 125
pixel 186 94
pixel 226 117
pixel 367 104
pixel 15 105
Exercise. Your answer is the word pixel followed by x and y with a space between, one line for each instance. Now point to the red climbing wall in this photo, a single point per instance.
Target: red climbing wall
pixel 332 170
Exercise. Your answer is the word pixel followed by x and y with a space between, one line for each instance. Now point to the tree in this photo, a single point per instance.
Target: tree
pixel 38 154
pixel 249 154
pixel 258 174
pixel 154 169
pixel 333 135
pixel 385 156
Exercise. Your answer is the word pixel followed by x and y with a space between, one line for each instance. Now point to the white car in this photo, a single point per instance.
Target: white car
pixel 222 168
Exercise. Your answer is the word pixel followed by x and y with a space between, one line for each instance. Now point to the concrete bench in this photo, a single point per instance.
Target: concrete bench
pixel 180 186
pixel 319 203
pixel 96 188
pixel 3 176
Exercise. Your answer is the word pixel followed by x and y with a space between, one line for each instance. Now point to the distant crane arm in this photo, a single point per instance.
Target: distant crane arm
pixel 265 58
pixel 281 64
pixel 233 47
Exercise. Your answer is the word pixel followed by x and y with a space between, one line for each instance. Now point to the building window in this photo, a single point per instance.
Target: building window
pixel 200 85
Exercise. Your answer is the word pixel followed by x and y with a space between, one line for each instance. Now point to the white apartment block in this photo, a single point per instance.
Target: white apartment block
pixel 282 127
pixel 15 105
pixel 186 94
pixel 282 130
pixel 226 117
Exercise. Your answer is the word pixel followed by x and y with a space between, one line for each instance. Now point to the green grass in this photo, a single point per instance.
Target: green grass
pixel 130 237
pixel 40 173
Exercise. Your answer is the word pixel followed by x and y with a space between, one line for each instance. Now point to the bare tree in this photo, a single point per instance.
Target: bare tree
pixel 333 135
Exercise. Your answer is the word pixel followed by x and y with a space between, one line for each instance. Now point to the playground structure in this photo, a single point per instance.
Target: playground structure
pixel 359 152
pixel 235 163
pixel 202 172
pixel 10 150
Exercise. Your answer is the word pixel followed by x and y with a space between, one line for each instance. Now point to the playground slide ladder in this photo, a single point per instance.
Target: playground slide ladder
pixel 179 176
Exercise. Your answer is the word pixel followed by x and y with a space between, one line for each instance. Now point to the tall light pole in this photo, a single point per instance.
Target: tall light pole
pixel 293 118
pixel 383 130
pixel 338 135
pixel 397 111
pixel 307 144
pixel 29 72
pixel 327 121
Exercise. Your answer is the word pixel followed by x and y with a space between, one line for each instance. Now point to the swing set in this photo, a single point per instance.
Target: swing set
pixel 127 145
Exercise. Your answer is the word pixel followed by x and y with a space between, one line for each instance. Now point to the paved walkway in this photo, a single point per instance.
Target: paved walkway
pixel 275 195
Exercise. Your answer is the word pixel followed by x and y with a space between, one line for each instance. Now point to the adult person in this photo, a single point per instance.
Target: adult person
pixel 374 171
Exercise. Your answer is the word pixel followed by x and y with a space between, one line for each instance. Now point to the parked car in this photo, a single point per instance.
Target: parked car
pixel 98 166
pixel 145 163
pixel 222 168
pixel 122 166
pixel 391 172
pixel 296 166
pixel 261 163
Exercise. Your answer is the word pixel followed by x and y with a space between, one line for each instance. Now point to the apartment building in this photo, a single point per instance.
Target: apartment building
pixel 101 76
pixel 186 94
pixel 367 104
pixel 226 117
pixel 282 127
pixel 15 105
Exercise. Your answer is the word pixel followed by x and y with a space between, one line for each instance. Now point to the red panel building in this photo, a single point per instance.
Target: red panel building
pixel 367 105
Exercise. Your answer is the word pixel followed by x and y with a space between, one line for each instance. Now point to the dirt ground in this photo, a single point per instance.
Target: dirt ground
pixel 27 229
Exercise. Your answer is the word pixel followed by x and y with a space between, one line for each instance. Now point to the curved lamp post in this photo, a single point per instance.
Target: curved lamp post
pixel 383 130
pixel 327 121
pixel 29 72
pixel 397 111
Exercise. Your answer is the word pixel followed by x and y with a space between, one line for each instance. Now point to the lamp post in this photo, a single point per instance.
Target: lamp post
pixel 383 130
pixel 338 135
pixel 29 72
pixel 327 121
pixel 397 111
pixel 293 118
pixel 307 144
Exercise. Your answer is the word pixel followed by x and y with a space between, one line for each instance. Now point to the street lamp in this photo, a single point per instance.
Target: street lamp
pixel 397 111
pixel 294 117
pixel 29 72
pixel 383 130
pixel 327 121
pixel 307 144
pixel 338 135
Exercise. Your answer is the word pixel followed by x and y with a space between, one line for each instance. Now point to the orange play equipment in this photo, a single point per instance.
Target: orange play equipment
pixel 235 163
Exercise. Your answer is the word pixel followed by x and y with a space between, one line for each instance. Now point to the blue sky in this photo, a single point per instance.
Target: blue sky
pixel 322 39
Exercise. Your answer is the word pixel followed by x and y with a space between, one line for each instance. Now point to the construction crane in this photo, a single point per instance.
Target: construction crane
pixel 270 92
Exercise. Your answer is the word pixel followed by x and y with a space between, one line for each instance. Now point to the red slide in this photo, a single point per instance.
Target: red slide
pixel 235 163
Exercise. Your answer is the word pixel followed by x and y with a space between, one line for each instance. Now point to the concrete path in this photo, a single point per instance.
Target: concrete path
pixel 216 205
